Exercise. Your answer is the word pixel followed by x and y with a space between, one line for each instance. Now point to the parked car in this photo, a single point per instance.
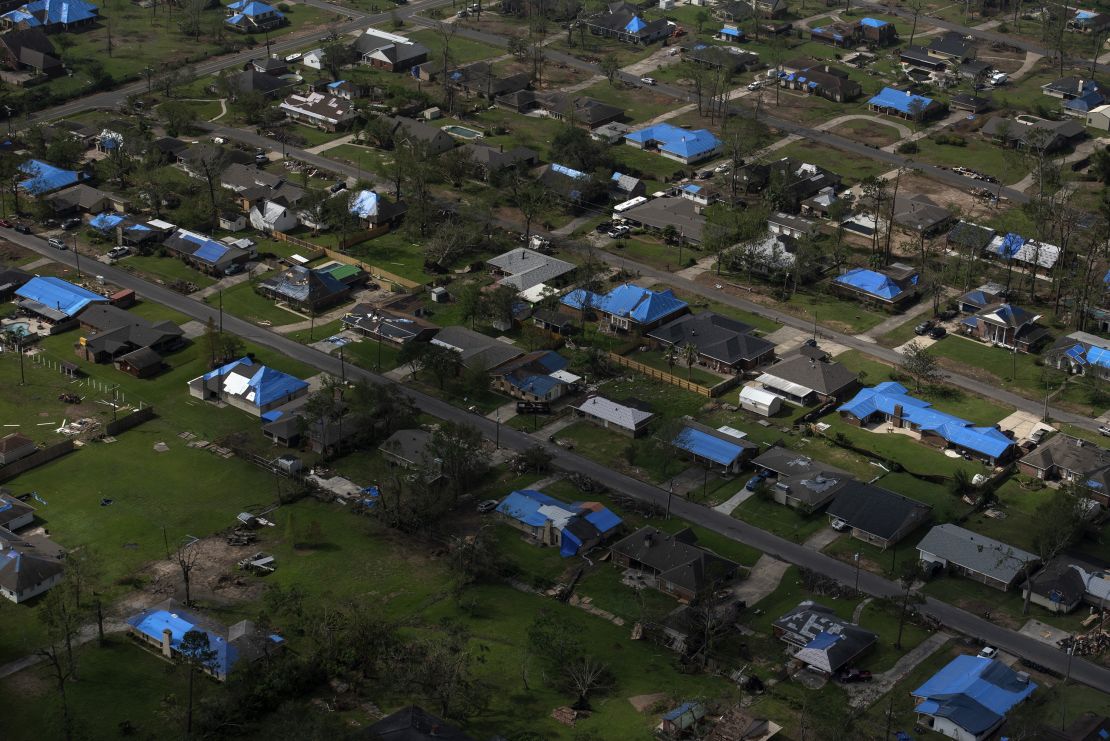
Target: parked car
pixel 923 328
pixel 487 505
pixel 69 224
pixel 647 80
pixel 937 332
pixel 56 243
pixel 6 224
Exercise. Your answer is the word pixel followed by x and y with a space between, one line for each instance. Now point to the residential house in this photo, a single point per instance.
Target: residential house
pixel 628 307
pixel 532 377
pixel 800 482
pixel 1099 118
pixel 611 415
pixel 919 214
pixel 373 209
pixel 112 333
pixel 788 225
pixel 837 34
pixel 685 214
pixel 905 105
pixel 522 268
pixel 621 21
pixel 891 288
pixel 411 449
pixel 878 32
pixel 414 724
pixel 1041 134
pixel 808 377
pixel 28 566
pixel 1080 95
pixel 716 450
pixel 389 51
pixel 1006 325
pixel 721 57
pixel 949 547
pixel 687 146
pixel 673 563
pixel 387 326
pixel 252 16
pixel 1028 252
pixel 410 131
pixel 1080 353
pixel 572 528
pixel 321 110
pixel 889 404
pixel 820 639
pixel 1068 580
pixel 205 253
pixel 44 178
pixel 965 235
pixel 476 350
pixel 30 49
pixel 493 160
pixel 876 515
pixel 11 279
pixel 969 698
pixel 13 447
pixel 249 386
pixel 306 289
pixel 55 302
pixel 1074 461
pixel 724 344
pixel 980 298
pixel 51 16
pixel 164 626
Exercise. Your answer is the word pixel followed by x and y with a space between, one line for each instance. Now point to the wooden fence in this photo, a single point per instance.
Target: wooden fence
pixel 682 383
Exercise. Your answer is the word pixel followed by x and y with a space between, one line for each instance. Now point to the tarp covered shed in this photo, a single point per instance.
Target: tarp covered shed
pixel 55 298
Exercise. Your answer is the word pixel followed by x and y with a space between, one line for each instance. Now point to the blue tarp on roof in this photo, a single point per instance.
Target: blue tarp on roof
pixel 570 172
pixel 920 415
pixel 704 445
pixel 674 140
pixel 106 221
pixel 973 692
pixel 152 623
pixel 45 178
pixel 58 294
pixel 734 32
pixel 635 25
pixel 873 22
pixel 640 304
pixel 872 283
pixel 898 100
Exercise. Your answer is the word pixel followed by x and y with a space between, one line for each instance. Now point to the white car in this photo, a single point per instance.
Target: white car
pixel 647 80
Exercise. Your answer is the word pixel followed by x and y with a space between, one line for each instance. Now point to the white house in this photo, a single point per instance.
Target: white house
pixel 270 216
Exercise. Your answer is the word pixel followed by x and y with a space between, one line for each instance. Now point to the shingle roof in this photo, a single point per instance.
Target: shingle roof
pixel 976 552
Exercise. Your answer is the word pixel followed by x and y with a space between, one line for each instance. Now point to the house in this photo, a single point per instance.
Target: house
pixel 723 344
pixel 55 302
pixel 412 132
pixel 788 225
pixel 373 209
pixel 891 288
pixel 86 199
pixel 532 377
pixel 11 279
pixel 44 178
pixel 1080 353
pixel 980 298
pixel 493 160
pixel 51 16
pixel 820 639
pixel 111 332
pixel 252 16
pixel 26 570
pixel 819 78
pixel 878 32
pixel 758 401
pixel 304 288
pixel 969 698
pixel 969 236
pixel 687 146
pixel 876 515
pixel 1071 460
pixel 1080 95
pixel 612 415
pixel 685 215
pixel 1041 134
pixel 522 268
pixel 380 324
pixel 628 307
pixel 1028 252
pixel 476 350
pixel 673 563
pixel 622 21
pixel 414 724
pixel 905 105
pixel 1006 325
pixel 205 253
pixel 890 404
pixel 626 187
pixel 247 385
pixel 837 34
pixel 1068 580
pixel 1099 118
pixel 572 528
pixel 801 483
pixel 164 626
pixel 389 51
pixel 949 547
pixel 14 447
pixel 30 49
pixel 409 449
pixel 809 377
pixel 919 214
pixel 321 110
pixel 713 449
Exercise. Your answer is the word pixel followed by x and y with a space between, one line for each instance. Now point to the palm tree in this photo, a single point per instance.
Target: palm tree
pixel 690 357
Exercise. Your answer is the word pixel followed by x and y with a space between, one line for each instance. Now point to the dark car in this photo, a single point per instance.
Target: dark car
pixel 923 328
pixel 22 228
pixel 937 332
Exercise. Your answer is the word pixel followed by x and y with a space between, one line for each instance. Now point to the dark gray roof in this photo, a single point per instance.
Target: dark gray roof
pixel 876 511
pixel 976 552
pixel 718 337
pixel 677 558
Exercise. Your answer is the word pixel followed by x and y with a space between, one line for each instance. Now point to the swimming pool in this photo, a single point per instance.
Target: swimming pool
pixel 462 132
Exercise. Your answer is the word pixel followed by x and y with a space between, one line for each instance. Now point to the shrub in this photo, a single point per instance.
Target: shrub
pixel 909 148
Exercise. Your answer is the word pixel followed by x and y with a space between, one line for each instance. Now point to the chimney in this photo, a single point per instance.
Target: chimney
pixel 167 643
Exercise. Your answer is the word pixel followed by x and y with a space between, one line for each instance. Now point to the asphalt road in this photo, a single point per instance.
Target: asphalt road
pixel 951 616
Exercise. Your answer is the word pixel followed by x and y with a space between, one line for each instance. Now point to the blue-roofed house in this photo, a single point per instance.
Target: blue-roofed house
pixel 163 627
pixel 904 104
pixel 891 288
pixel 889 404
pixel 532 377
pixel 572 528
pixel 249 386
pixel 622 21
pixel 714 449
pixel 44 178
pixel 1006 325
pixel 628 307
pixel 970 697
pixel 51 15
pixel 683 145
pixel 55 302
pixel 251 16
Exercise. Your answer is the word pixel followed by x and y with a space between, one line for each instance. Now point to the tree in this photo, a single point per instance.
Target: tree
pixel 918 362
pixel 187 557
pixel 609 66
pixel 179 117
pixel 198 655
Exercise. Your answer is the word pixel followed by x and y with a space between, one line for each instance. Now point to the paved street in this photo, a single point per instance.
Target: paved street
pixel 772 545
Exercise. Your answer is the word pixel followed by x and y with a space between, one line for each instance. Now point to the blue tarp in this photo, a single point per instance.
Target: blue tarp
pixel 885 397
pixel 640 304
pixel 873 22
pixel 704 445
pixel 973 692
pixel 57 294
pixel 872 283
pixel 45 178
pixel 899 100
pixel 684 143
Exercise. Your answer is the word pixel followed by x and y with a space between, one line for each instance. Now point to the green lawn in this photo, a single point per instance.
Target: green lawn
pixel 244 302
pixel 165 270
pixel 1004 164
